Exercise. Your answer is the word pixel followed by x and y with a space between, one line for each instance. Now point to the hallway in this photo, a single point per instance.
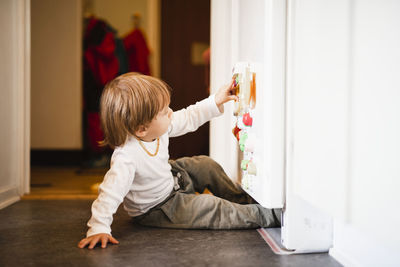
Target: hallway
pixel 64 182
pixel 46 233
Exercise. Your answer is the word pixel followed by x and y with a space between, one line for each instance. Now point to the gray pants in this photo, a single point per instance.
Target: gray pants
pixel 228 208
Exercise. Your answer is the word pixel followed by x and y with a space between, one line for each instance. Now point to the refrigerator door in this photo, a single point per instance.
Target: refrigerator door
pixel 256 33
pixel 268 129
pixel 259 130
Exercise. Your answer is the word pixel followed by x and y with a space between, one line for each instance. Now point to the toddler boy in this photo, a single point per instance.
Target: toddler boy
pixel 137 122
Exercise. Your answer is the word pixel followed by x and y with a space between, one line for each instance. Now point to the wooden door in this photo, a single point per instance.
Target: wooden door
pixel 185 25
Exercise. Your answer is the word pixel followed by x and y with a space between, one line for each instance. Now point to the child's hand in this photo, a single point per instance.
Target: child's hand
pixel 94 239
pixel 224 95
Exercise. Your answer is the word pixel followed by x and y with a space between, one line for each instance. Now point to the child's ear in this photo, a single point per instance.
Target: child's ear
pixel 141 132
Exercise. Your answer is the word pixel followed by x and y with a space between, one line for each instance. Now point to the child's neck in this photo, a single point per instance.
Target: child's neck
pixel 147 140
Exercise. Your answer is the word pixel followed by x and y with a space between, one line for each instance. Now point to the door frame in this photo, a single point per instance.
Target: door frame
pixel 23 87
pixel 20 114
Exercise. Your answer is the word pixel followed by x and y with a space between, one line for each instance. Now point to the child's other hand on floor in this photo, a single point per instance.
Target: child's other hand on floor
pixel 94 239
pixel 224 95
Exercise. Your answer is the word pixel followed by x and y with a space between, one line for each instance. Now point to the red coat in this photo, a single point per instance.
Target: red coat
pixel 102 61
pixel 138 52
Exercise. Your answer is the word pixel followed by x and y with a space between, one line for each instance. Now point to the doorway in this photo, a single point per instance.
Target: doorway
pixel 56 116
pixel 183 41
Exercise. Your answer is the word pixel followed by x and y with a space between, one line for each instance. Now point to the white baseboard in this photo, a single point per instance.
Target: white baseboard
pixel 353 247
pixel 343 258
pixel 8 196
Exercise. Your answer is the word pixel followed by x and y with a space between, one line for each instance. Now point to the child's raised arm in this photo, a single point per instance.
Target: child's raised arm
pixel 224 95
pixel 191 118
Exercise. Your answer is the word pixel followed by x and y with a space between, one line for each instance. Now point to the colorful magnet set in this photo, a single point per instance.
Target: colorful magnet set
pixel 244 76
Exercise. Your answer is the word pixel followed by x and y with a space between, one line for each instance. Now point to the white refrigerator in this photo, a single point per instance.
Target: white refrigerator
pixel 251 47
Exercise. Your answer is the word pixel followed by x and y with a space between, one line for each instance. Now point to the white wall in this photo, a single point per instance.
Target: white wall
pixel 118 13
pixel 56 74
pixel 14 104
pixel 343 106
pixel 344 95
pixel 375 129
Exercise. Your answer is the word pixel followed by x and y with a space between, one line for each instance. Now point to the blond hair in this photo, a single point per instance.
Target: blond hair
pixel 129 101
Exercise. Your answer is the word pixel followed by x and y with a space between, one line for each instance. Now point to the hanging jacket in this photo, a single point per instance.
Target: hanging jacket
pixel 99 54
pixel 137 51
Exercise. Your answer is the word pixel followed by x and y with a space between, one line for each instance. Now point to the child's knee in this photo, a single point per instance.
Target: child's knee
pixel 206 161
pixel 195 161
pixel 199 164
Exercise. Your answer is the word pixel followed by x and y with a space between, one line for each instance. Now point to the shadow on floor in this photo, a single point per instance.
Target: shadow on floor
pixel 46 233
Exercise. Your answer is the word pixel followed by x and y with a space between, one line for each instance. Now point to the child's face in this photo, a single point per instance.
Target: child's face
pixel 159 125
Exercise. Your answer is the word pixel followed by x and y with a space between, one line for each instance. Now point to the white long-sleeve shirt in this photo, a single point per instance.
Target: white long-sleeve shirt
pixel 139 180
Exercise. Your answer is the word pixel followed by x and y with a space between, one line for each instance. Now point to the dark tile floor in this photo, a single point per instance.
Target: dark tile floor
pixel 46 233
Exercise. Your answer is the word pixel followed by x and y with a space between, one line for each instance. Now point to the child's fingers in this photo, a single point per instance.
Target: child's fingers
pixel 113 240
pixel 83 243
pixel 231 85
pixel 104 241
pixel 233 97
pixel 231 89
pixel 93 242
